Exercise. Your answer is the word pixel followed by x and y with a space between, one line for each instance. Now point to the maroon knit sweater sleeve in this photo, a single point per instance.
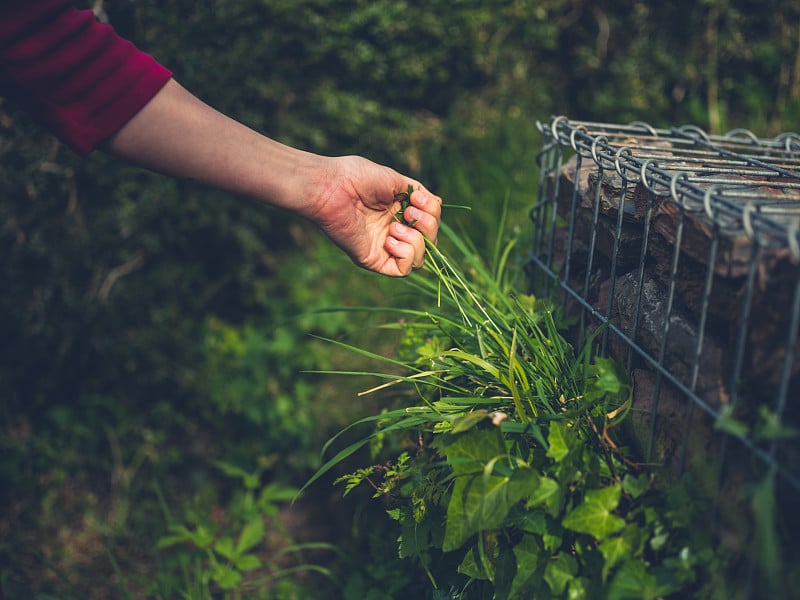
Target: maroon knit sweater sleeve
pixel 74 75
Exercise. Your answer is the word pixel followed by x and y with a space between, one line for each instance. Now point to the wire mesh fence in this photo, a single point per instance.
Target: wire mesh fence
pixel 685 247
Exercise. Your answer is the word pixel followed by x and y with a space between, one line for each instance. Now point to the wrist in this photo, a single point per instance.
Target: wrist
pixel 309 185
pixel 317 181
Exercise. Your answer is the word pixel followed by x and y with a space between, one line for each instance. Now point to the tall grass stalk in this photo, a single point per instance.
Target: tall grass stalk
pixel 483 350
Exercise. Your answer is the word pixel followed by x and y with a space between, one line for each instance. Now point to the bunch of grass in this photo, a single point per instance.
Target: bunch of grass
pixel 485 352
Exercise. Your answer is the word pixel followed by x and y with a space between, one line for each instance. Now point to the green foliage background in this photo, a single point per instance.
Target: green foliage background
pixel 149 327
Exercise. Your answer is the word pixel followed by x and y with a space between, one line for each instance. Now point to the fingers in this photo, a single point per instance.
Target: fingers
pixel 407 246
pixel 424 213
pixel 405 242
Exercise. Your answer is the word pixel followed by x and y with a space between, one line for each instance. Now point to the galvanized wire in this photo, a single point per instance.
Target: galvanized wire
pixel 733 187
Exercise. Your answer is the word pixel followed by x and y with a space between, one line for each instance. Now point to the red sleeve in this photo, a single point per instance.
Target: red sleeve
pixel 71 73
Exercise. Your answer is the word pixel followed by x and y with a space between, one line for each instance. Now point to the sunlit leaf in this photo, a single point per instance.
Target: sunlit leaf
pixel 558 438
pixel 226 577
pixel 251 535
pixel 546 488
pixel 577 588
pixel 604 378
pixel 479 502
pixel 202 537
pixel 248 562
pixel 593 515
pixel 729 424
pixel 224 547
pixel 470 452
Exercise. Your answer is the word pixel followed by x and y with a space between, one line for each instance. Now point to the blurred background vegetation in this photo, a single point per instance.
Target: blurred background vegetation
pixel 152 329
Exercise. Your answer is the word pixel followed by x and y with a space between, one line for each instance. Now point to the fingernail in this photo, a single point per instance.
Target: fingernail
pixel 414 214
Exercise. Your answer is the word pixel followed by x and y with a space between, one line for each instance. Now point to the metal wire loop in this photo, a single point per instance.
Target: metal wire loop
pixel 617 156
pixel 789 140
pixel 747 221
pixel 794 245
pixel 644 126
pixel 542 155
pixel 572 135
pixel 694 129
pixel 707 202
pixel 741 134
pixel 595 142
pixel 643 173
pixel 673 189
pixel 554 125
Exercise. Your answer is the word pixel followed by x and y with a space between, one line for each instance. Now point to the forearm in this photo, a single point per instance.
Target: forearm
pixel 128 103
pixel 350 198
pixel 179 135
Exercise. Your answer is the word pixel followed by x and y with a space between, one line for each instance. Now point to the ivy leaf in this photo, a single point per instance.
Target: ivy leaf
pixel 557 437
pixel 636 485
pixel 577 589
pixel 615 548
pixel 528 554
pixel 482 502
pixel 593 515
pixel 633 581
pixel 559 572
pixel 470 452
pixel 471 566
pixel 552 541
pixel 547 487
pixel 604 380
pixel 533 521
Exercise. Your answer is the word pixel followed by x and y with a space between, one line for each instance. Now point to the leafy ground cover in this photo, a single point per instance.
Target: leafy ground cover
pixel 501 463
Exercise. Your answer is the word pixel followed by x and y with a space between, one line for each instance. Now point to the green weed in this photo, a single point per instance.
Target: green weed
pixel 232 559
pixel 505 475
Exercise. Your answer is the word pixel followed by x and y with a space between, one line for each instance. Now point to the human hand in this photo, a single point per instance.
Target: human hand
pixel 351 198
pixel 355 206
